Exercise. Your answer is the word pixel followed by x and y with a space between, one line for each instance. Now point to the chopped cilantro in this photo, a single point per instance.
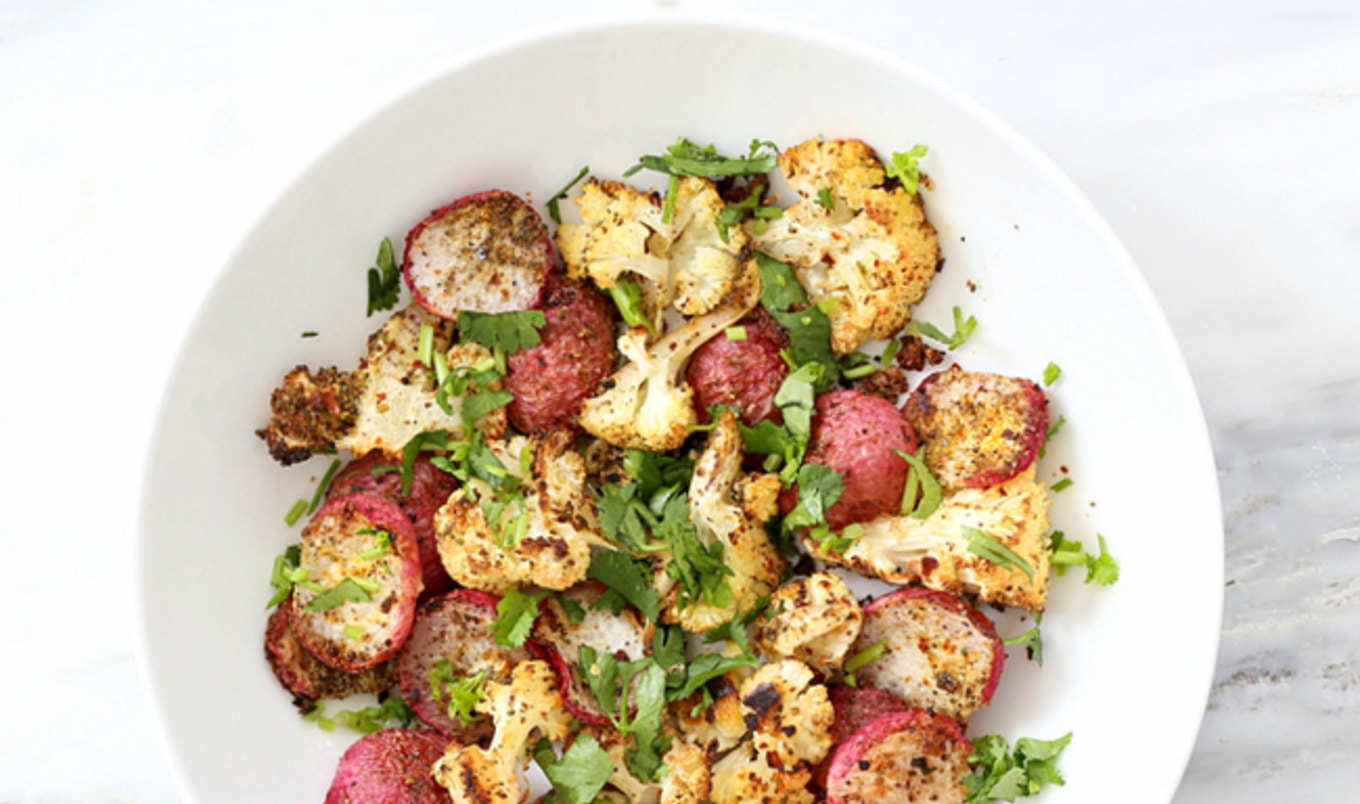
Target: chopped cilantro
pixel 1031 640
pixel 464 693
pixel 994 551
pixel 922 493
pixel 963 329
pixel 627 296
pixel 906 168
pixel 1051 373
pixel 554 211
pixel 348 590
pixel 384 280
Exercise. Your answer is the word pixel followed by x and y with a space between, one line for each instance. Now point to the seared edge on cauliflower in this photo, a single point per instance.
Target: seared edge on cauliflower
pixel 854 239
pixel 541 534
pixel 647 404
pixel 953 549
pixel 384 403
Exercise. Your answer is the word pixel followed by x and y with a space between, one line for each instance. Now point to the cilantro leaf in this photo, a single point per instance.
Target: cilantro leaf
pixel 618 571
pixel 685 158
pixel 509 331
pixel 906 168
pixel 1001 773
pixel 581 773
pixel 464 693
pixel 1101 568
pixel 515 616
pixel 819 487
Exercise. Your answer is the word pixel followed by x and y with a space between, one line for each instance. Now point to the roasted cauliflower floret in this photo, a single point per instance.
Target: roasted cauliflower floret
pixel 688 779
pixel 745 775
pixel 537 528
pixel 384 403
pixel 788 714
pixel 716 722
pixel 965 546
pixel 647 404
pixel 721 510
pixel 682 262
pixel 854 238
pixel 814 619
pixel 529 706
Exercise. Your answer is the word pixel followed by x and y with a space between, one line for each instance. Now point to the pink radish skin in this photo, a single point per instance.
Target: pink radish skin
pixel 390 766
pixel 941 653
pixel 455 626
pixel 977 429
pixel 488 252
pixel 903 756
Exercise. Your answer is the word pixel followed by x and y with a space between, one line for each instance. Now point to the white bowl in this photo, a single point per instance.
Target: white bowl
pixel 1126 668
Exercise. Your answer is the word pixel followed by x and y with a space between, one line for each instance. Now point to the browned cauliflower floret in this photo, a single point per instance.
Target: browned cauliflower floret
pixel 853 238
pixel 647 404
pixel 745 776
pixel 789 715
pixel 384 403
pixel 719 497
pixel 683 261
pixel 529 705
pixel 539 534
pixel 688 779
pixel 953 549
pixel 814 619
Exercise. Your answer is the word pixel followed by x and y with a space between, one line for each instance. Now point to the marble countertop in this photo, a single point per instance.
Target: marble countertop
pixel 140 140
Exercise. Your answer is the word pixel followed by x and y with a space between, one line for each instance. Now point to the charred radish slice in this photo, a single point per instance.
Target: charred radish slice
pixel 906 756
pixel 450 654
pixel 430 487
pixel 307 677
pixel 489 252
pixel 855 707
pixel 560 633
pixel 357 604
pixel 937 652
pixel 392 765
pixel 978 429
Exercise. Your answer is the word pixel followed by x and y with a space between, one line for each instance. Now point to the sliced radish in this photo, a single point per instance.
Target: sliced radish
pixel 362 563
pixel 378 473
pixel 940 653
pixel 855 707
pixel 977 429
pixel 454 627
pixel 904 756
pixel 306 677
pixel 626 636
pixel 488 252
pixel 393 766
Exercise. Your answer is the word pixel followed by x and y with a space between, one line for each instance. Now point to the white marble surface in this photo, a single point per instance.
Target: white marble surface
pixel 139 140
